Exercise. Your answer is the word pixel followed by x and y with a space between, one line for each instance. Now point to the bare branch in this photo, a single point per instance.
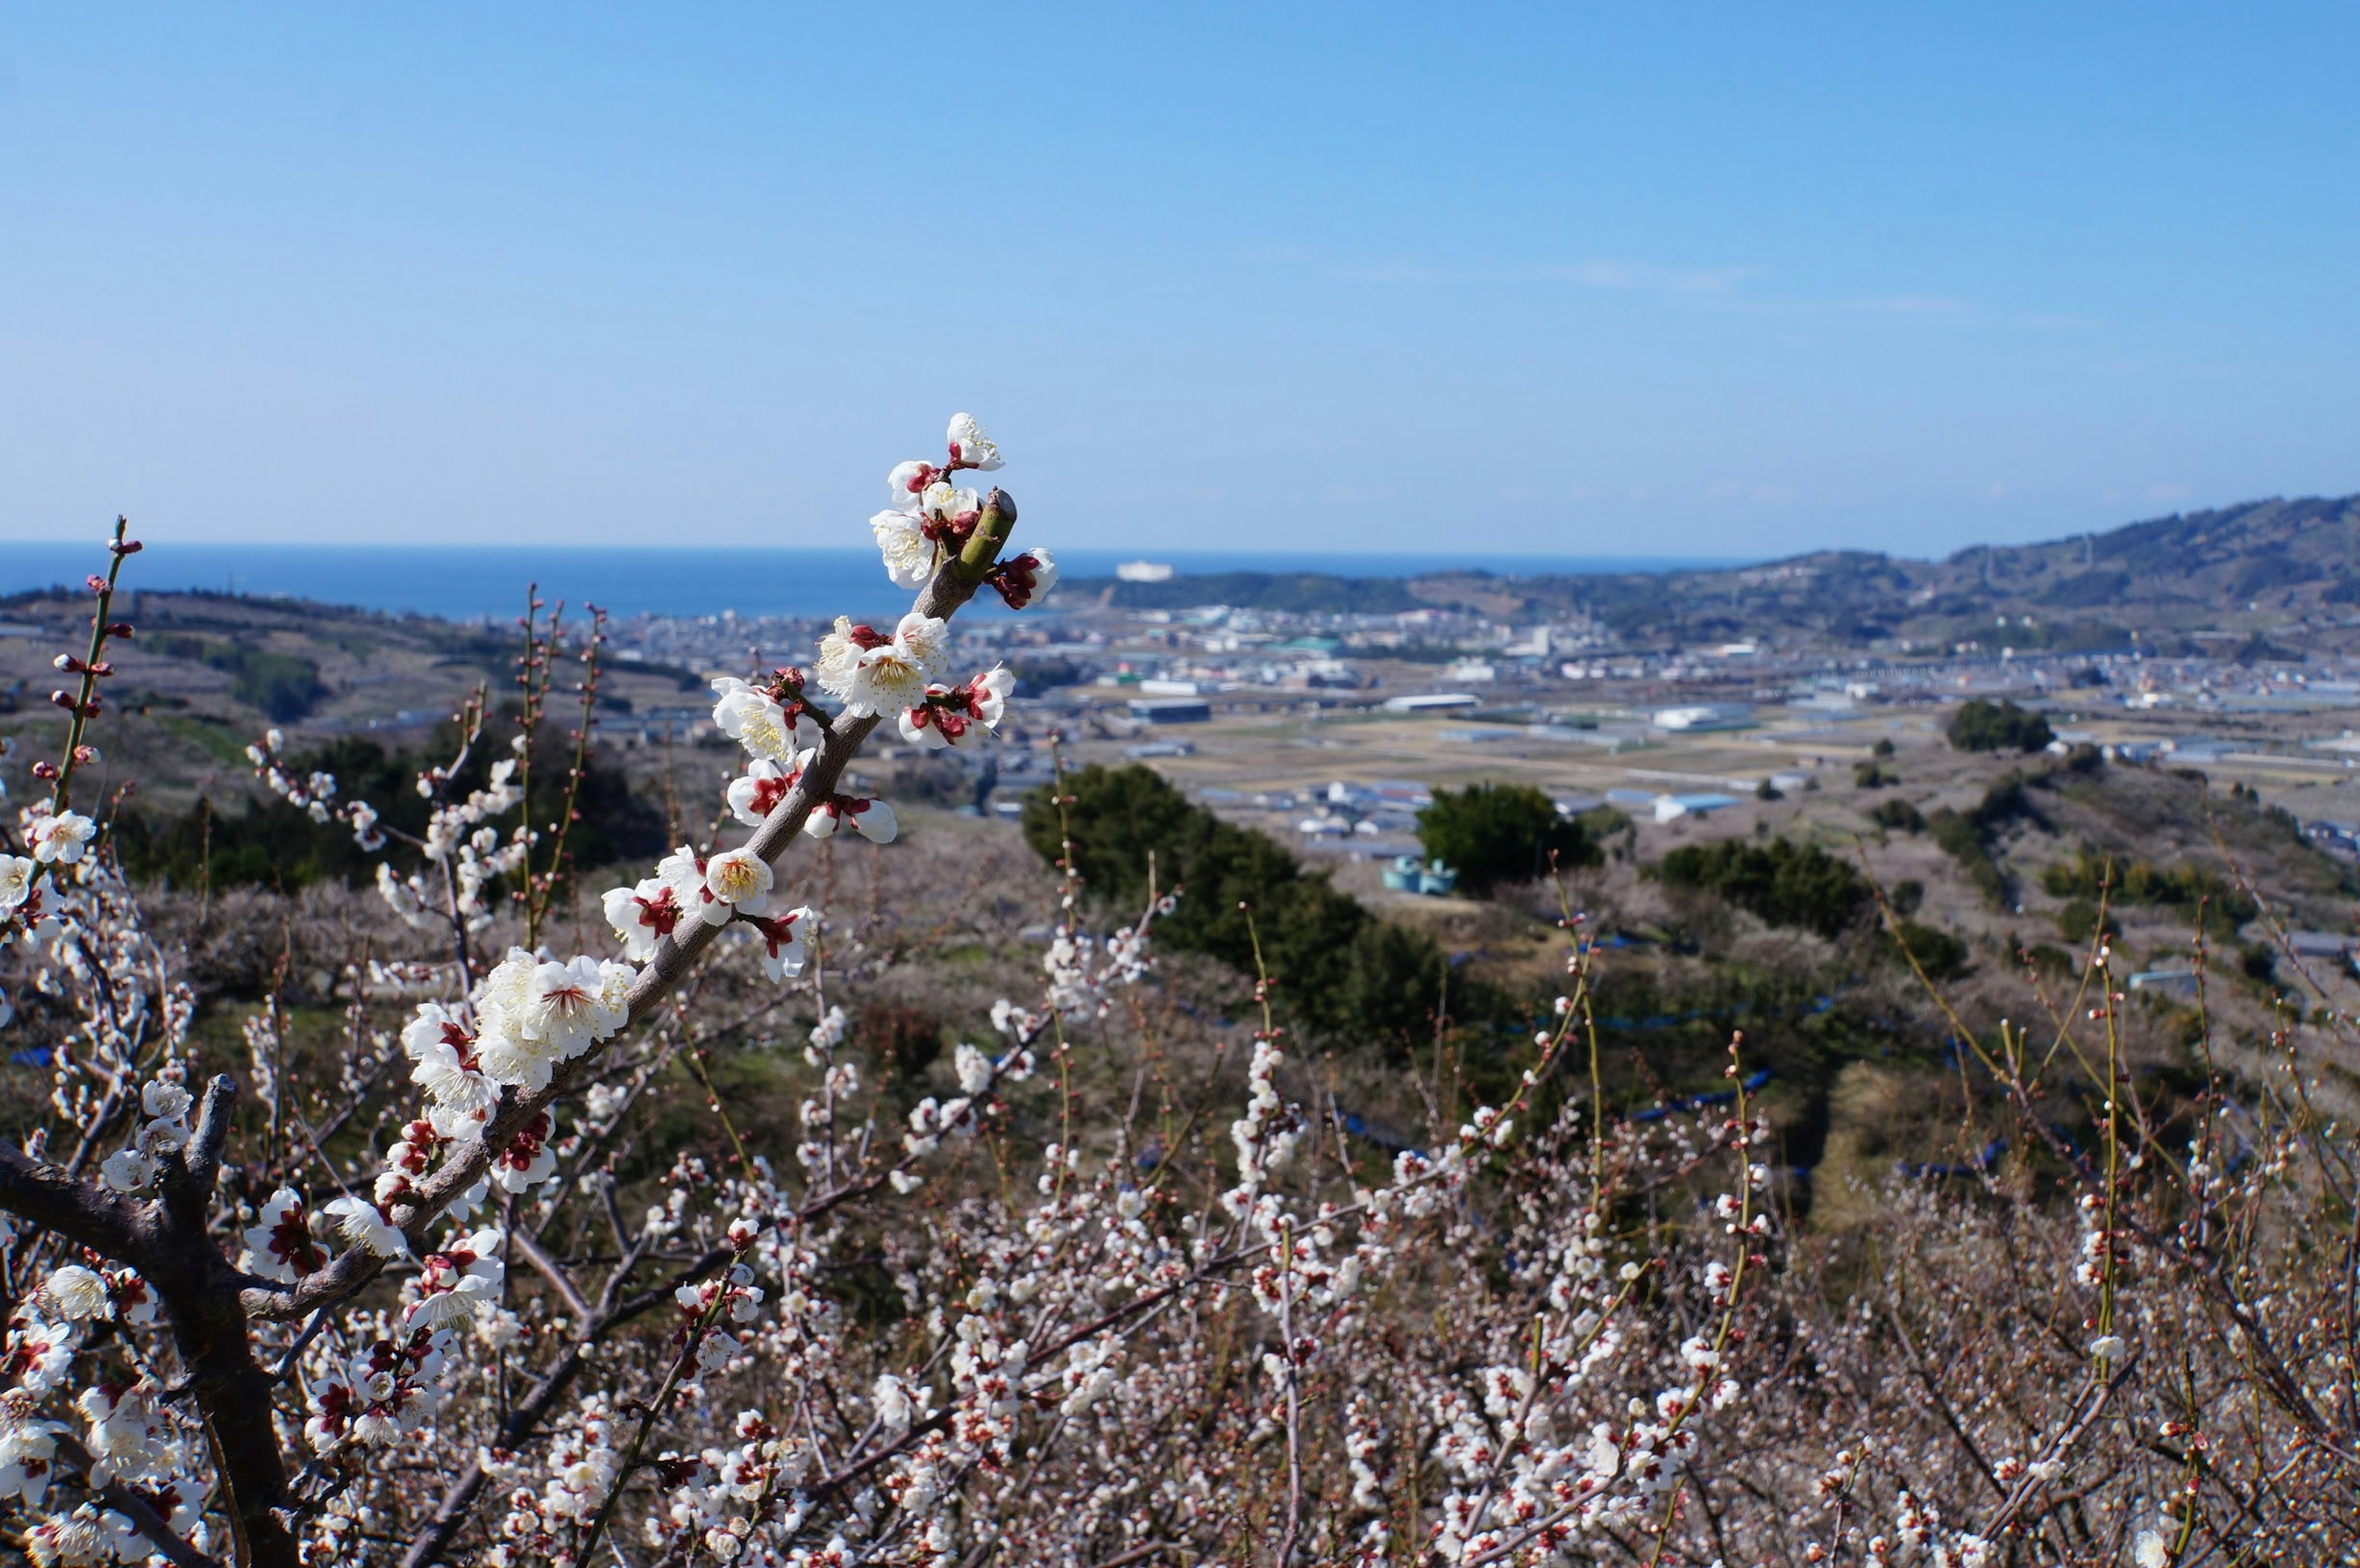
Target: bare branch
pixel 82 1212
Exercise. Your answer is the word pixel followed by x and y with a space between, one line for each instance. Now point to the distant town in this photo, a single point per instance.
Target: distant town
pixel 1379 707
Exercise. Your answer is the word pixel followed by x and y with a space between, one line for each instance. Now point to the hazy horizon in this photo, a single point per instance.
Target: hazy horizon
pixel 1797 545
pixel 1737 283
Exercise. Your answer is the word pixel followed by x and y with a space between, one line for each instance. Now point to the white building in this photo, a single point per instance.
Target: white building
pixel 1703 716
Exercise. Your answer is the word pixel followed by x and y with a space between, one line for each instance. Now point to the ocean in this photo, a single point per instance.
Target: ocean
pixel 474 583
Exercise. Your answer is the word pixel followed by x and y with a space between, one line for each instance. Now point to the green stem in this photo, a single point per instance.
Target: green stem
pixel 61 797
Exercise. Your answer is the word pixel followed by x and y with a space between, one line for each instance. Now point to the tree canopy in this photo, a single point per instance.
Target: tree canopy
pixel 1982 724
pixel 1492 834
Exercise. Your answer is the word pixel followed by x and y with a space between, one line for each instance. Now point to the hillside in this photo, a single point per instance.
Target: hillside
pixel 2284 571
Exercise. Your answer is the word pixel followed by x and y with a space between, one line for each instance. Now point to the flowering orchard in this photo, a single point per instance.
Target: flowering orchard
pixel 507 1277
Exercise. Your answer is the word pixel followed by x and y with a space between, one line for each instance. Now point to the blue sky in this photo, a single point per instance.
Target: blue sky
pixel 1667 278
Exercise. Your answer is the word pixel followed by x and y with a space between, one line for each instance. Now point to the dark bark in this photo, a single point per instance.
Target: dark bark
pixel 82 1212
pixel 200 1292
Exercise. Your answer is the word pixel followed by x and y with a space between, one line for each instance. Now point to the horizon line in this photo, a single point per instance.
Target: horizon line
pixel 1141 552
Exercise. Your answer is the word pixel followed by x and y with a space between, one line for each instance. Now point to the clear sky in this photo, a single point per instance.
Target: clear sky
pixel 1632 278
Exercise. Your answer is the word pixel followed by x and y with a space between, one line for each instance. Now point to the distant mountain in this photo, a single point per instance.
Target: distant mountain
pixel 2290 569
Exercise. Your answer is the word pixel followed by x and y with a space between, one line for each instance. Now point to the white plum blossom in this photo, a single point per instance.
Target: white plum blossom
pixel 407 897
pixel 63 838
pixel 740 879
pixel 781 941
pixel 444 1065
pixel 875 674
pixel 40 1352
pixel 17 874
pixel 360 1223
pixel 535 1014
pixel 77 1292
pixel 377 1397
pixel 894 1407
pixel 757 721
pixel 907 483
pixel 459 1279
pixel 948 511
pixel 566 1006
pixel 869 816
pixel 717 890
pixel 969 447
pixel 957 715
pixel 643 915
pixel 85 1538
pixel 123 1431
pixel 278 1245
pixel 506 1049
pixel 756 792
pixel 127 1171
pixel 909 556
pixel 27 1447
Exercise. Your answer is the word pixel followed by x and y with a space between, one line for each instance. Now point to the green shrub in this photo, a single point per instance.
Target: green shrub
pixel 1942 955
pixel 1898 815
pixel 2079 920
pixel 1782 882
pixel 2186 888
pixel 1491 834
pixel 1982 724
